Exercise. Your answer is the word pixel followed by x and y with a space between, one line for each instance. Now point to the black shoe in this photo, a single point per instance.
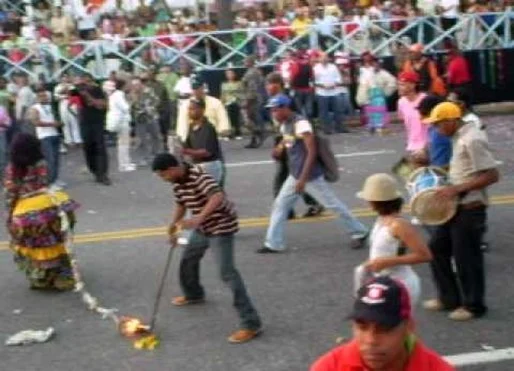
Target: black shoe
pixel 104 180
pixel 266 250
pixel 252 144
pixel 343 131
pixel 291 215
pixel 314 211
pixel 359 243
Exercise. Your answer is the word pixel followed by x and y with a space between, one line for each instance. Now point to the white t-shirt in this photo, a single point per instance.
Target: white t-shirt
pixel 183 86
pixel 327 75
pixel 45 115
pixel 25 98
pixel 453 12
pixel 300 127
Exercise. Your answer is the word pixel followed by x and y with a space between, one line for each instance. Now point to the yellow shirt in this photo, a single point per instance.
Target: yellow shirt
pixel 214 111
pixel 301 26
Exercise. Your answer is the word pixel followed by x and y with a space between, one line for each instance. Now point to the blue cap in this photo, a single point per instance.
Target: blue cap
pixel 280 100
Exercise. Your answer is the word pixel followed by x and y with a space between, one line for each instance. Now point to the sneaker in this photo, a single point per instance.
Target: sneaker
pixel 433 305
pixel 180 301
pixel 359 242
pixel 63 150
pixel 266 250
pixel 238 138
pixel 60 183
pixel 314 211
pixel 54 187
pixel 127 168
pixel 243 335
pixel 461 315
pixel 143 163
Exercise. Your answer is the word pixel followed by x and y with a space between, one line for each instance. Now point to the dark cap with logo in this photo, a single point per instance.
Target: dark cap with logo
pixel 383 301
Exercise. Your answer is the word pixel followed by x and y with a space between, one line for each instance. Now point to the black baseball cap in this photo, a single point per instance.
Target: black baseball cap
pixel 428 103
pixel 384 301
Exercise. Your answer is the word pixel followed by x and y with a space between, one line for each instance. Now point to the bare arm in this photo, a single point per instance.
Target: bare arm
pixel 418 251
pixel 482 180
pixel 214 202
pixel 36 120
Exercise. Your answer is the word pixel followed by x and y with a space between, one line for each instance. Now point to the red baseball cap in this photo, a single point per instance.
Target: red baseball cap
pixel 409 76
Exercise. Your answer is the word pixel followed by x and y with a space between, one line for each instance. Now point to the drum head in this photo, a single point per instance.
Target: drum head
pixel 432 211
pixel 420 170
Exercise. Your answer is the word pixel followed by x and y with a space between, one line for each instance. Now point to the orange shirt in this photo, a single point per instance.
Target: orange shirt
pixel 347 358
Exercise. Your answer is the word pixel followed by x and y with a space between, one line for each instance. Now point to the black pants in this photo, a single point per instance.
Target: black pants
pixel 95 149
pixel 165 122
pixel 460 238
pixel 234 115
pixel 280 177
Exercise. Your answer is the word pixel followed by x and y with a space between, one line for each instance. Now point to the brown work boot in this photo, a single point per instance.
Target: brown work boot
pixel 243 335
pixel 433 305
pixel 180 301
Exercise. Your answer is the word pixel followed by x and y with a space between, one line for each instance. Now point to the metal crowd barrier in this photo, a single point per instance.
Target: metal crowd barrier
pixel 223 49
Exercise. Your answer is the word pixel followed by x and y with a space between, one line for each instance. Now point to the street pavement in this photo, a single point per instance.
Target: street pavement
pixel 303 295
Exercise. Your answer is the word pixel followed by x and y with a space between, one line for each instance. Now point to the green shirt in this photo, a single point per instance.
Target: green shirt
pixel 169 80
pixel 231 92
pixel 148 30
pixel 4 98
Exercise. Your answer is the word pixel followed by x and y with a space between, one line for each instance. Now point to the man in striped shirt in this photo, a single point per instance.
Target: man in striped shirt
pixel 214 220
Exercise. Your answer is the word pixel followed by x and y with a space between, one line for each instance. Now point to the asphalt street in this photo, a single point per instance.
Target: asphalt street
pixel 303 295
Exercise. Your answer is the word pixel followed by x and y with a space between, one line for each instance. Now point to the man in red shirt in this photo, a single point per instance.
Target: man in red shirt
pixel 458 73
pixel 383 337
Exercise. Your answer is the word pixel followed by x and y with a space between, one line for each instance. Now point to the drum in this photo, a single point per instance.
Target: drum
pixel 422 186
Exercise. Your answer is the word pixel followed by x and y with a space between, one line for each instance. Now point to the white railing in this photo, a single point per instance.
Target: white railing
pixel 221 49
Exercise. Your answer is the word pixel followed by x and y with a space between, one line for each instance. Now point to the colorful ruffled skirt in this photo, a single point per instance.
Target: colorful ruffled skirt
pixel 39 228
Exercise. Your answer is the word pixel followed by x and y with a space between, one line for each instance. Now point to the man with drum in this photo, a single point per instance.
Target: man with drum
pixel 472 170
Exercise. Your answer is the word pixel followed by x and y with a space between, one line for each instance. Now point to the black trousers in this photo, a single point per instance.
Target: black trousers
pixel 461 239
pixel 234 115
pixel 280 177
pixel 95 149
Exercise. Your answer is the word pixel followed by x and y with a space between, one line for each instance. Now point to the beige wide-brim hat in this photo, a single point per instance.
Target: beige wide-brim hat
pixel 380 187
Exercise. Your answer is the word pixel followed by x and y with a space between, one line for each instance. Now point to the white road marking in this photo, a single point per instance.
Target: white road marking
pixel 477 358
pixel 339 155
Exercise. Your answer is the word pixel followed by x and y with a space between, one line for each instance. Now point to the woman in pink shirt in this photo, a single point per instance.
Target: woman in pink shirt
pixel 417 132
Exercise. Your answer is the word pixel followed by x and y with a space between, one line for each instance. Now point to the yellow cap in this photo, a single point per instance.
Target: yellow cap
pixel 444 111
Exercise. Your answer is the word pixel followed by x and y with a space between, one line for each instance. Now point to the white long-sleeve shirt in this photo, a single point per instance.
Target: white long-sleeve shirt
pixel 118 113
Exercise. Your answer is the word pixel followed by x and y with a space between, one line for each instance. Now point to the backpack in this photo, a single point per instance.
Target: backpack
pixel 327 159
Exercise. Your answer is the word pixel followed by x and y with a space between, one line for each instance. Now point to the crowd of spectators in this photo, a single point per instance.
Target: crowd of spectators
pixel 45 37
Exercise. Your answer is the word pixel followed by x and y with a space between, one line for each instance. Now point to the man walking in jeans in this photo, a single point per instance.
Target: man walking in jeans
pixel 306 174
pixel 214 221
pixel 46 125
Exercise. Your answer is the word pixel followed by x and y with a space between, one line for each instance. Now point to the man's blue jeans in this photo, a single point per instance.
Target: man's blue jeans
pixel 50 147
pixel 304 101
pixel 332 104
pixel 323 193
pixel 223 249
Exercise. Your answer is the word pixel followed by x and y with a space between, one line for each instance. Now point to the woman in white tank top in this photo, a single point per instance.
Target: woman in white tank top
pixel 395 244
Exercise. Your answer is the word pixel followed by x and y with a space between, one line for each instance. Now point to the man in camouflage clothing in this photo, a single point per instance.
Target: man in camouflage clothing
pixel 145 112
pixel 253 85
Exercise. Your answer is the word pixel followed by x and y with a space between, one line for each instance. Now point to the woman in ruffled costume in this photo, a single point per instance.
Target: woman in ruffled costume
pixel 38 220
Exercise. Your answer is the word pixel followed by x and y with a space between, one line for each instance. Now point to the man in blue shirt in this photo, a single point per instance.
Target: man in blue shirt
pixel 439 146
